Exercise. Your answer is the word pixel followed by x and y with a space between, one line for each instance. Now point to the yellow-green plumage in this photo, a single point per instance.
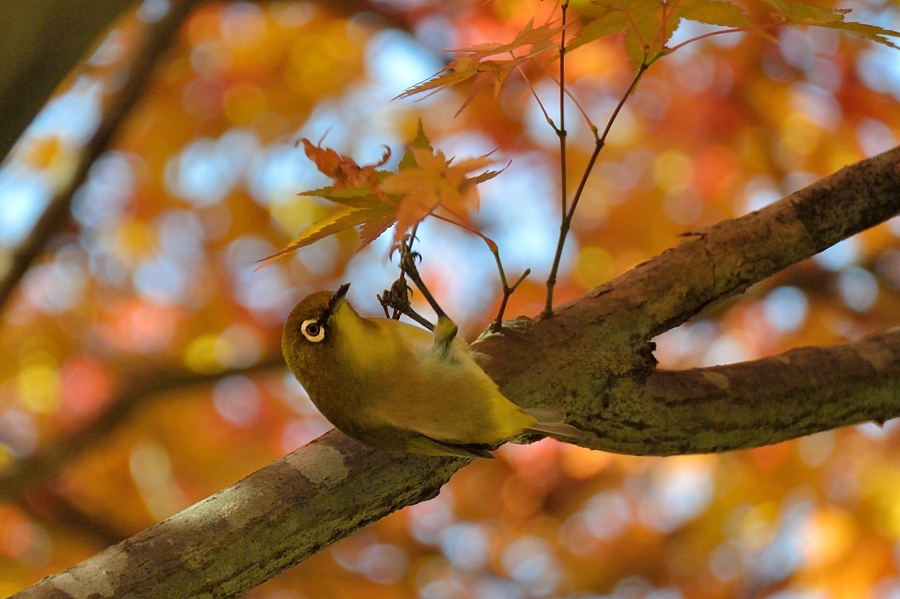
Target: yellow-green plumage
pixel 395 386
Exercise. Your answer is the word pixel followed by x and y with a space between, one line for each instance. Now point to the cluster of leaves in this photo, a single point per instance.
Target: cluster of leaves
pixel 426 183
pixel 475 62
pixel 648 27
pixel 649 24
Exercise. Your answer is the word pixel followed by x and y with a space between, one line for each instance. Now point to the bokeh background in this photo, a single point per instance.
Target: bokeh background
pixel 141 367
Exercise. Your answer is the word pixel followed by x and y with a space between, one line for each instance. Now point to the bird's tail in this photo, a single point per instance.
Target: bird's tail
pixel 552 423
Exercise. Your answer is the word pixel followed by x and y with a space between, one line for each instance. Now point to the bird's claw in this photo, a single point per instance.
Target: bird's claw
pixel 408 262
pixel 396 298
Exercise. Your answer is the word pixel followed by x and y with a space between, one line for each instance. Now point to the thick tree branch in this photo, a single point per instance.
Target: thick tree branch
pixel 598 348
pixel 251 531
pixel 723 408
pixel 592 358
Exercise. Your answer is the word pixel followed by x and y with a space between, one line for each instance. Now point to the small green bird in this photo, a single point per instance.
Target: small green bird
pixel 398 387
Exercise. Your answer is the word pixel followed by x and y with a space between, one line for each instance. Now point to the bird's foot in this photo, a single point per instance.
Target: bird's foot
pixel 397 299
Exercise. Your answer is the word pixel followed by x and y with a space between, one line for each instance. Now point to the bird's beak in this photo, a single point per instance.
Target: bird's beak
pixel 336 299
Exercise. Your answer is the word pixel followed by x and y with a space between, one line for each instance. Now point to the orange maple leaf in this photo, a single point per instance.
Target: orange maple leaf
pixel 343 169
pixel 474 63
pixel 375 199
pixel 436 182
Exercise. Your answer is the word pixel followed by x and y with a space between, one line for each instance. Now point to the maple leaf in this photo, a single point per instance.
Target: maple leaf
pixel 649 24
pixel 474 63
pixel 331 224
pixel 800 13
pixel 343 169
pixel 713 12
pixel 375 199
pixel 356 187
pixel 435 181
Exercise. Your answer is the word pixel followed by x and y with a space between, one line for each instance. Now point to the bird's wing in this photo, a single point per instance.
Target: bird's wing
pixel 428 446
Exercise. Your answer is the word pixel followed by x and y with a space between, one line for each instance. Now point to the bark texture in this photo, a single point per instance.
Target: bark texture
pixel 592 358
pixel 258 527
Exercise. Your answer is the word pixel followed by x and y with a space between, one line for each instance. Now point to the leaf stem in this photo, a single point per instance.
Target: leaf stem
pixel 575 101
pixel 720 32
pixel 508 289
pixel 538 100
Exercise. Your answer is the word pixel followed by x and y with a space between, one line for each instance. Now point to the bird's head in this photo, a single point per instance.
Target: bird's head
pixel 309 333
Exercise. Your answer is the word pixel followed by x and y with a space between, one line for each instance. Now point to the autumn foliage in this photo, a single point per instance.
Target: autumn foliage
pixel 142 370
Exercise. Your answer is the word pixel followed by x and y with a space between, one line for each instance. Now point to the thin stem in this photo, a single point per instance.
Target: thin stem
pixel 408 265
pixel 732 30
pixel 645 64
pixel 466 225
pixel 538 100
pixel 561 132
pixel 507 290
pixel 661 32
pixel 567 217
pixel 634 27
pixel 575 101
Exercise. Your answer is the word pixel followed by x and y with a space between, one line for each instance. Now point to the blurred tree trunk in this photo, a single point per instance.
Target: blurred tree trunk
pixel 40 42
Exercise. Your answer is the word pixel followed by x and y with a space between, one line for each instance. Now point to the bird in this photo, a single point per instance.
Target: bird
pixel 396 386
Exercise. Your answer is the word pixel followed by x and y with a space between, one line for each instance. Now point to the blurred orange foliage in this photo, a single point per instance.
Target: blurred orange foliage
pixel 155 276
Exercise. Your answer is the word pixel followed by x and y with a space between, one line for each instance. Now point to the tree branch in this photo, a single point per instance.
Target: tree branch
pixel 599 346
pixel 258 527
pixel 593 358
pixel 139 391
pixel 738 406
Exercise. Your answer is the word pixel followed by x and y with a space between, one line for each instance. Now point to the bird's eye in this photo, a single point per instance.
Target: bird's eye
pixel 312 330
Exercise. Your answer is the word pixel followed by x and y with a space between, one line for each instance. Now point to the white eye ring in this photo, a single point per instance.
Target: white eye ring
pixel 312 330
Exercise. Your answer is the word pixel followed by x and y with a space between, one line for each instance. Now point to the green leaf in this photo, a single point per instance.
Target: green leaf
pixel 421 141
pixel 474 63
pixel 800 13
pixel 648 24
pixel 714 12
pixel 357 197
pixel 331 224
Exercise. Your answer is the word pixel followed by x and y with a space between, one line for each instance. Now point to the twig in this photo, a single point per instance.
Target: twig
pixel 537 99
pixel 720 32
pixel 599 144
pixel 575 101
pixel 507 290
pixel 495 250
